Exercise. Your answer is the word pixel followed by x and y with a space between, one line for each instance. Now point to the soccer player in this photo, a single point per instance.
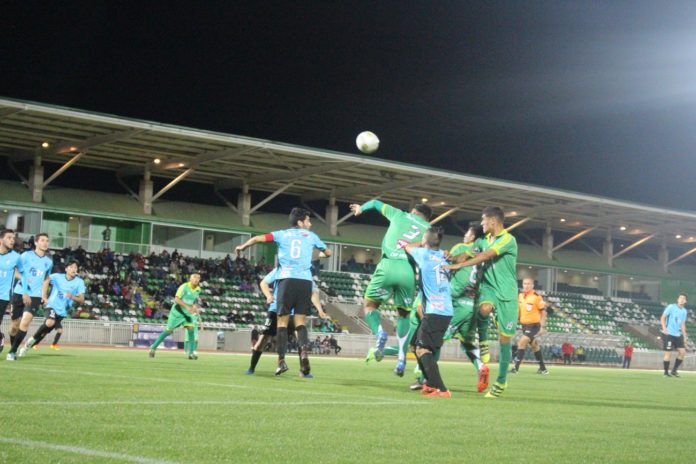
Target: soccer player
pixel 437 307
pixel 66 288
pixel 464 323
pixel 270 291
pixel 394 274
pixel 34 268
pixel 532 310
pixel 673 322
pixel 498 286
pixel 182 311
pixel 8 265
pixel 295 248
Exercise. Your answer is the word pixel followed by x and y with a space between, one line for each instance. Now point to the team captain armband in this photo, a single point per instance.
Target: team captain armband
pixel 268 237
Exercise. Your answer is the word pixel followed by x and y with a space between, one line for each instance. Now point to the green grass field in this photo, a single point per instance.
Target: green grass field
pixel 96 405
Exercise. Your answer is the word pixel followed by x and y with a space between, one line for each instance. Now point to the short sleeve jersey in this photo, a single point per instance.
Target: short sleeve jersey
pixel 530 305
pixel 434 281
pixel 60 287
pixel 295 247
pixel 402 226
pixel 187 294
pixel 675 317
pixel 33 269
pixel 465 276
pixel 8 263
pixel 500 272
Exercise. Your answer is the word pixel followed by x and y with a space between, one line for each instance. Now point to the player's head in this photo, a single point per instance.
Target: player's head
pixel 433 237
pixel 7 238
pixel 41 241
pixel 682 299
pixel 490 217
pixel 423 210
pixel 299 217
pixel 195 278
pixel 472 233
pixel 71 268
pixel 527 284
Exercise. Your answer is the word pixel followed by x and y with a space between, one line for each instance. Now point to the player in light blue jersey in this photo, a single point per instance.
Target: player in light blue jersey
pixel 34 267
pixel 66 289
pixel 674 336
pixel 295 248
pixel 8 266
pixel 437 307
pixel 270 291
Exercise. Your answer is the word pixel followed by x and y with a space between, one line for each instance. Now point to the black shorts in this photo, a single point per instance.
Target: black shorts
pixel 531 330
pixel 431 331
pixel 671 342
pixel 51 314
pixel 18 307
pixel 3 307
pixel 294 293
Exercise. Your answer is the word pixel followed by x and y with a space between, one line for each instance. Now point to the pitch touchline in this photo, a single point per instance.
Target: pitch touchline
pixel 203 403
pixel 83 451
pixel 211 384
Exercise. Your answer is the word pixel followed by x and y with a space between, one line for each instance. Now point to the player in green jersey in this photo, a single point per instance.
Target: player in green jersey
pixel 394 276
pixel 182 312
pixel 498 285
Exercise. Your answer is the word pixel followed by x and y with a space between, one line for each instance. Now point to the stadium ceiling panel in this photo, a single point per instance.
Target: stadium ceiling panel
pixel 130 147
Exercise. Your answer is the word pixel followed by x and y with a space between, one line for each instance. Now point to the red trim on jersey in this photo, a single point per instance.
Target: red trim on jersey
pixel 268 238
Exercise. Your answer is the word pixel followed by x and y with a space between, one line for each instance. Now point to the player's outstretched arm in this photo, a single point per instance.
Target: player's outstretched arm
pixel 478 259
pixel 251 242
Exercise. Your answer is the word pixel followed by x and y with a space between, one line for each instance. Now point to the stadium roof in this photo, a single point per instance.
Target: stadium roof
pixel 128 147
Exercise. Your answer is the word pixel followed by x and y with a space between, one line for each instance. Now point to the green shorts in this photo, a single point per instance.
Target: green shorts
pixel 462 324
pixel 393 277
pixel 176 319
pixel 506 311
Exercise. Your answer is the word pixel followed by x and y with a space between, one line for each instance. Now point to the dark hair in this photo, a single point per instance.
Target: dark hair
pixel 425 210
pixel 39 235
pixel 435 235
pixel 71 262
pixel 684 294
pixel 4 232
pixel 494 211
pixel 298 214
pixel 476 228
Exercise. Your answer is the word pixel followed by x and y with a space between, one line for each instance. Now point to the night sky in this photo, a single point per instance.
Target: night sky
pixel 596 97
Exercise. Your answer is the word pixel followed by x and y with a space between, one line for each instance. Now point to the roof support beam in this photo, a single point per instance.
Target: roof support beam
pixel 369 189
pixel 5 112
pixel 518 223
pixel 573 238
pixel 63 168
pixel 682 256
pixel 270 197
pixel 83 145
pixel 172 183
pixel 634 245
pixel 589 247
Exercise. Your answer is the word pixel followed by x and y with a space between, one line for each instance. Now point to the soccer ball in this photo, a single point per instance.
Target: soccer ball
pixel 367 142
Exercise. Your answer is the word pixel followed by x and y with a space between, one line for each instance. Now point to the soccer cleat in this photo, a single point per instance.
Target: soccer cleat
pixel 426 389
pixel 10 357
pixel 379 348
pixel 36 347
pixel 249 372
pixel 306 376
pixel 483 378
pixel 416 386
pixel 151 353
pixel 439 394
pixel 282 367
pixel 400 368
pixel 667 374
pixel 675 374
pixel 23 351
pixel 496 390
pixel 485 352
pixel 542 371
pixel 55 347
pixel 371 355
pixel 513 371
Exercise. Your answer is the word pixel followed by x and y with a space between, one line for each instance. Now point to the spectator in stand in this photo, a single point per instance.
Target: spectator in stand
pixel 556 353
pixel 333 343
pixel 628 354
pixel 567 349
pixel 580 354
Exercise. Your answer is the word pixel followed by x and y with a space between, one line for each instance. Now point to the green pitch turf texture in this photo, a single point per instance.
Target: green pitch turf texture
pixel 98 405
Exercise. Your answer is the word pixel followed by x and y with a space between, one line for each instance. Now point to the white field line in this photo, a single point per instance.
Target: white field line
pixel 82 451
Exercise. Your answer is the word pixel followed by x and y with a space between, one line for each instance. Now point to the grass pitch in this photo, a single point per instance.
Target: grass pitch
pixel 97 405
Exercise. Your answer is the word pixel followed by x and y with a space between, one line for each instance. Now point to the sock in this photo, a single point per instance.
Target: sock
pixel 282 341
pixel 403 329
pixel 519 357
pixel 12 337
pixel 505 355
pixel 57 337
pixel 160 339
pixel 19 338
pixel 195 344
pixel 539 357
pixel 189 343
pixel 373 318
pixel 677 363
pixel 391 350
pixel 666 366
pixel 482 323
pixel 472 353
pixel 255 356
pixel 432 373
pixel 303 342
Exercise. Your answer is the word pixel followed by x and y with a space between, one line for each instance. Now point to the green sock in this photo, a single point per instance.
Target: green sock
pixel 373 318
pixel 190 341
pixel 195 345
pixel 482 323
pixel 504 364
pixel 403 330
pixel 160 339
pixel 391 350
